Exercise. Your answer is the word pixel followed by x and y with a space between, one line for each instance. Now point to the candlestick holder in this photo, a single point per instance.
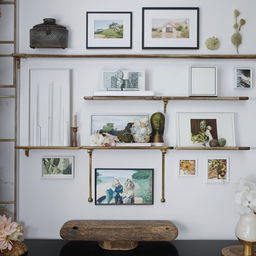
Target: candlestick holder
pixel 74 137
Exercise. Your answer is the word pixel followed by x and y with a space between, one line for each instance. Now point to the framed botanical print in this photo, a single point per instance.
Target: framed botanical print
pixel 170 28
pixel 111 30
pixel 217 169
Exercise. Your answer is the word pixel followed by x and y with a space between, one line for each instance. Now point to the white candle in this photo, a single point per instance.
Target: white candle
pixel 74 123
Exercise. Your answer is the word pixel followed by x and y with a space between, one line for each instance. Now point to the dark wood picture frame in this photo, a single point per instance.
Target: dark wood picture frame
pixel 123 169
pixel 144 9
pixel 88 46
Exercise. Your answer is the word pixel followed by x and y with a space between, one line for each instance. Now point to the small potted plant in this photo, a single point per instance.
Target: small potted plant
pixel 11 234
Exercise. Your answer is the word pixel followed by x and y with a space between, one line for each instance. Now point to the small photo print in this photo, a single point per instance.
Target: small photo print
pixel 187 167
pixel 57 167
pixel 243 78
pixel 170 28
pixel 108 29
pixel 217 170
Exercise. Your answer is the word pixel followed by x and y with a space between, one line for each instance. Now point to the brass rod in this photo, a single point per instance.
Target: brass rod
pixel 26 152
pixel 90 199
pixel 163 175
pixel 7 42
pixel 7 202
pixel 145 56
pixel 6 140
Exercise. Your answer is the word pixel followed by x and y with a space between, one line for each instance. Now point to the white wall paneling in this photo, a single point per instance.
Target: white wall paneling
pixel 50 107
pixel 7 31
pixel 200 210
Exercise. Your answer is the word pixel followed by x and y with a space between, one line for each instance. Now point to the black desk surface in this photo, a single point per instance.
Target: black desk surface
pixel 175 248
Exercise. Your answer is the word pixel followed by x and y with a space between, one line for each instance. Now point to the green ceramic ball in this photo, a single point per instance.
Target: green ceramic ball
pixel 222 142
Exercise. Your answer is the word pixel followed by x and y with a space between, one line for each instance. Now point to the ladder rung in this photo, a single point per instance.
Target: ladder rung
pixel 7 42
pixel 7 140
pixel 7 202
pixel 8 2
pixel 6 55
pixel 7 86
pixel 7 97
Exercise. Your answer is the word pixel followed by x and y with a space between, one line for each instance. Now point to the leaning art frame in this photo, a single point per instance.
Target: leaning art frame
pixel 124 186
pixel 191 127
pixel 170 28
pixel 100 34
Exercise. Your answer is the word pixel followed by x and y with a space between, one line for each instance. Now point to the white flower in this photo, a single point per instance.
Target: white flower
pixel 246 194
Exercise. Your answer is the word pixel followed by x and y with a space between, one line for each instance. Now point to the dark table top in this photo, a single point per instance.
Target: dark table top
pixel 41 247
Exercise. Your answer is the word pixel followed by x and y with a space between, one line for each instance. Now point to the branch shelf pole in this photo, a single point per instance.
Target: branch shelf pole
pixel 90 199
pixel 163 174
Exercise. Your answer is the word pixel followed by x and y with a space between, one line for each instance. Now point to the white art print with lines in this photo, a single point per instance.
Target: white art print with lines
pixel 49 104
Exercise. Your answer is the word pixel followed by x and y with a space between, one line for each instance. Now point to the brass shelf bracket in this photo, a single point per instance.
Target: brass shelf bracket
pixel 90 199
pixel 165 101
pixel 26 152
pixel 164 151
pixel 17 63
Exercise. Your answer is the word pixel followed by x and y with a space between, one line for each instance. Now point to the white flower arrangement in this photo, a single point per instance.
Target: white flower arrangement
pixel 103 139
pixel 9 232
pixel 246 195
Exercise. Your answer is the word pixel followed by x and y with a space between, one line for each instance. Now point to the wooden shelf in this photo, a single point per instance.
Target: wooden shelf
pixel 163 98
pixel 212 148
pixel 7 86
pixel 7 97
pixel 141 56
pixel 6 55
pixel 7 202
pixel 7 140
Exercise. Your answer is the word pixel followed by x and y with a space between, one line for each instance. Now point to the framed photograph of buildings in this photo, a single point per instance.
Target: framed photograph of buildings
pixel 204 129
pixel 58 167
pixel 124 186
pixel 217 169
pixel 111 30
pixel 203 81
pixel 243 78
pixel 170 28
pixel 187 167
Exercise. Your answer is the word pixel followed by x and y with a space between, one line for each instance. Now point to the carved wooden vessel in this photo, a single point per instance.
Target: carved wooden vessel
pixel 119 234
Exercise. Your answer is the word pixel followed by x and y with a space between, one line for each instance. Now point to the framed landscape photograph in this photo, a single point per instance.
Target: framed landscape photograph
pixel 243 78
pixel 217 170
pixel 111 30
pixel 170 28
pixel 203 81
pixel 58 167
pixel 187 167
pixel 125 130
pixel 123 80
pixel 204 129
pixel 124 186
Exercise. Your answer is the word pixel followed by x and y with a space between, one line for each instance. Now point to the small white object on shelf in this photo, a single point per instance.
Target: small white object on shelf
pixel 123 93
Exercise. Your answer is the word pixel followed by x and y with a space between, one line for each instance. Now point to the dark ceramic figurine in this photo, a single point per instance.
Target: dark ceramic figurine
pixel 157 121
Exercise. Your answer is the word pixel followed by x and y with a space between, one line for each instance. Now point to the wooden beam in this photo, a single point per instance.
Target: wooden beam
pixel 212 148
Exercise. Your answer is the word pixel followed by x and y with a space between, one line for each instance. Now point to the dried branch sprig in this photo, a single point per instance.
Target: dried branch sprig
pixel 236 38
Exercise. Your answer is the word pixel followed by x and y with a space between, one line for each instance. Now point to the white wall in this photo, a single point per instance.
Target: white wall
pixel 200 210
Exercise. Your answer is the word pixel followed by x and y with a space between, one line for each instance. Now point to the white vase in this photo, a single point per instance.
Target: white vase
pixel 246 227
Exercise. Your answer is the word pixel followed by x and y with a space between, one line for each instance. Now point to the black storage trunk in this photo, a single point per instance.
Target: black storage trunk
pixel 49 35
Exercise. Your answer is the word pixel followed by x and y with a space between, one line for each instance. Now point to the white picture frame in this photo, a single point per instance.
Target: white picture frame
pixel 57 167
pixel 203 81
pixel 98 26
pixel 123 80
pixel 220 125
pixel 243 78
pixel 217 170
pixel 187 167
